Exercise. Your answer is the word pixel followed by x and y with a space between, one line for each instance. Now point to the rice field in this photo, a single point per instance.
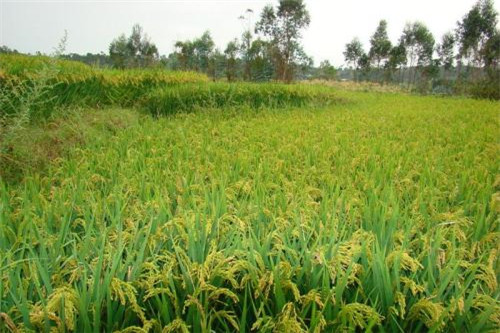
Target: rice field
pixel 58 83
pixel 379 213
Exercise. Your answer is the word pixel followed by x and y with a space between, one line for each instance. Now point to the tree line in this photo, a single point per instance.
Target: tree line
pixel 271 49
pixel 465 59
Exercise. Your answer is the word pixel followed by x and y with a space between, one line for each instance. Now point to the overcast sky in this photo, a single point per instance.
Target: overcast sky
pixel 38 25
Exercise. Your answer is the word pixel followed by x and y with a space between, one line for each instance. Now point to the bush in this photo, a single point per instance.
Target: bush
pixel 487 88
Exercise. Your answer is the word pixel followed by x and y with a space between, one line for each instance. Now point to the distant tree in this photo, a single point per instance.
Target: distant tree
pixel 397 59
pixel 7 50
pixel 419 44
pixel 261 64
pixel 196 54
pixel 185 54
pixel 353 54
pixel 246 42
pixel 303 65
pixel 364 65
pixel 203 50
pixel 97 59
pixel 282 26
pixel 143 53
pixel 327 71
pixel 445 51
pixel 231 53
pixel 217 64
pixel 171 61
pixel 134 51
pixel 119 52
pixel 476 35
pixel 380 45
pixel 491 52
pixel 244 49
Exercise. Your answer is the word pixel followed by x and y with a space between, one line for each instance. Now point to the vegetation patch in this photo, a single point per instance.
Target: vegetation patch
pixel 188 97
pixel 62 83
pixel 34 147
pixel 378 215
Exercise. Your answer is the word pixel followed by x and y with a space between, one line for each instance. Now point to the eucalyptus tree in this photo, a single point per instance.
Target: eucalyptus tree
pixel 353 55
pixel 396 62
pixel 446 52
pixel 231 54
pixel 196 54
pixel 137 50
pixel 380 46
pixel 246 42
pixel 184 50
pixel 261 65
pixel 476 35
pixel 419 44
pixel 283 26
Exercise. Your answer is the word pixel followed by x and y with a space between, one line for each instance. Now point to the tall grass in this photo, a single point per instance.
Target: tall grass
pixel 380 215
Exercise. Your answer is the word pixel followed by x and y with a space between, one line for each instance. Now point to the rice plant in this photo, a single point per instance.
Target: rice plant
pixel 189 97
pixel 378 214
pixel 73 84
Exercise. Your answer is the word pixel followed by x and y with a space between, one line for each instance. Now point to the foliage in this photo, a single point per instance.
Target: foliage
pixel 326 71
pixel 380 45
pixel 231 60
pixel 282 26
pixel 354 54
pixel 195 55
pixel 411 61
pixel 134 51
pixel 477 27
pixel 445 50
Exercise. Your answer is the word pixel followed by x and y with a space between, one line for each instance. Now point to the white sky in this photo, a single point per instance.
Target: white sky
pixel 38 25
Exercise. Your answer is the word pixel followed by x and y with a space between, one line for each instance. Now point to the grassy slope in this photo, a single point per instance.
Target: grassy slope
pixel 301 215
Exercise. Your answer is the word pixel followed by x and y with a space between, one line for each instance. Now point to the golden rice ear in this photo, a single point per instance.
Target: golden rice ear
pixel 430 313
pixel 357 316
pixel 177 326
pixel 8 322
pixel 125 293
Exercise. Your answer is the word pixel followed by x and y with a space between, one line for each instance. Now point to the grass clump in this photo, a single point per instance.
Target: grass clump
pixel 189 97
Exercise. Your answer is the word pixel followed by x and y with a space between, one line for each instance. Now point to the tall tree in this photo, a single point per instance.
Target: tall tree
pixel 135 51
pixel 397 59
pixel 246 43
pixel 203 49
pixel 283 26
pixel 419 44
pixel 119 53
pixel 261 64
pixel 445 51
pixel 380 45
pixel 231 53
pixel 353 54
pixel 196 54
pixel 185 54
pixel 476 34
